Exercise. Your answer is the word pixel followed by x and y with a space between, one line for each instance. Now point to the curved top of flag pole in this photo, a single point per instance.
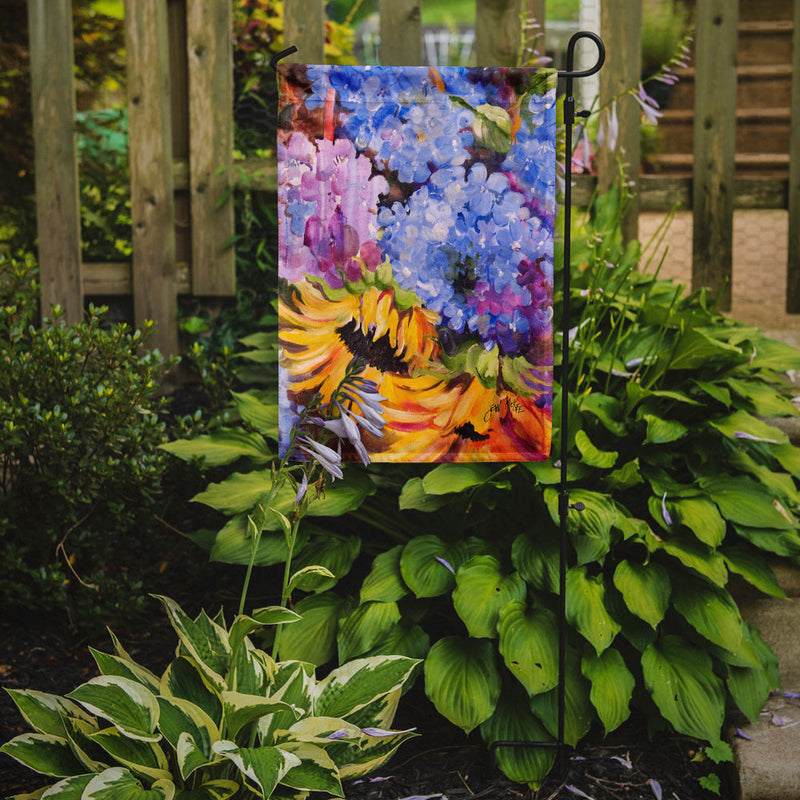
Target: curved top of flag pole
pixel 570 71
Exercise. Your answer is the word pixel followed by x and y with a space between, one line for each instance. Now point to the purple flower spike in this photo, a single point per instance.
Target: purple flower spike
pixel 664 512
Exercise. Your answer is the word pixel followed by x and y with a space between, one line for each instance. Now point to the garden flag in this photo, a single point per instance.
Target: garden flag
pixel 416 209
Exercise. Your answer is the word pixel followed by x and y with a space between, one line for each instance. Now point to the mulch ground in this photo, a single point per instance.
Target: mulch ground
pixel 45 654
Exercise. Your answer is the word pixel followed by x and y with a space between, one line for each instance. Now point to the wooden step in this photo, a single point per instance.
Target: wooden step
pixel 752 10
pixel 758 86
pixel 764 42
pixel 764 164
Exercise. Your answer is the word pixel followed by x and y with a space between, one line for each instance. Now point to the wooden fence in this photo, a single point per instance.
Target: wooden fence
pixel 181 132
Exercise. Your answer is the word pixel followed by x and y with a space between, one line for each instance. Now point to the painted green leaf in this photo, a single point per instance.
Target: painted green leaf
pixel 481 591
pixel 536 560
pixel 313 638
pixel 143 759
pixel 223 446
pixel 384 581
pixel 335 552
pixel 744 502
pixel 126 704
pixel 591 455
pixel 263 766
pixel 586 608
pixel 663 431
pixel 428 565
pixel 256 413
pixel 492 128
pixel 747 562
pixel 358 683
pixel 43 753
pixel 529 645
pixel 184 680
pixel 740 424
pixel 710 610
pixel 117 783
pixel 645 589
pixel 462 680
pixel 612 686
pixel 365 627
pixel 316 771
pixel 44 712
pixel 683 685
pixel 454 478
pixel 512 721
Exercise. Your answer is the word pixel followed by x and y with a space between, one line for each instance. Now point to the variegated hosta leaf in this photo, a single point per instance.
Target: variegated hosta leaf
pixel 645 588
pixel 211 790
pixel 204 640
pixel 375 749
pixel 513 721
pixel 262 766
pixel 316 771
pixel 462 680
pixel 125 668
pixel 44 712
pixel 184 679
pixel 69 789
pixel 251 671
pixel 365 627
pixel 117 783
pixel 179 717
pixel 358 683
pixel 86 751
pixel 322 731
pixel 144 759
pixel 242 709
pixel 683 685
pixel 529 645
pixel 294 685
pixel 481 591
pixel 190 755
pixel 612 686
pixel 43 753
pixel 586 608
pixel 385 581
pixel 126 704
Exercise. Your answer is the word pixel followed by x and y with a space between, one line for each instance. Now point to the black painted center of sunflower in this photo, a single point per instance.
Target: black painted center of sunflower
pixel 378 353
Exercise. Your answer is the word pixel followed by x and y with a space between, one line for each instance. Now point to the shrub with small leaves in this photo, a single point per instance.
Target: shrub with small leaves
pixel 79 436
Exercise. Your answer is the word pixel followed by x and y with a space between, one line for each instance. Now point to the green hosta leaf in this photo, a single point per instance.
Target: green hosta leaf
pixel 462 680
pixel 529 645
pixel 683 685
pixel 627 476
pixel 126 704
pixel 206 643
pixel 316 772
pixel 223 446
pixel 743 501
pixel 259 415
pixel 233 544
pixel 117 783
pixel 695 349
pixel 481 591
pixel 782 543
pixel 239 492
pixel 537 560
pixel 68 789
pixel 424 565
pixel 741 425
pixel 788 456
pixel 454 478
pixel 44 712
pixel 242 709
pixel 663 431
pixel 749 688
pixel 365 627
pixel 601 459
pixel 413 496
pixel 772 354
pixel 715 391
pixel 360 682
pixel 695 555
pixel 244 625
pixel 125 668
pixel 335 552
pixel 184 680
pixel 767 401
pixel 144 759
pixel 313 638
pixel 612 687
pixel 609 410
pixel 43 753
pixel 412 642
pixel 578 709
pixel 590 528
pixel 701 516
pixel 586 608
pixel 385 582
pixel 263 766
pixel 747 562
pixel 711 611
pixel 512 721
pixel 645 588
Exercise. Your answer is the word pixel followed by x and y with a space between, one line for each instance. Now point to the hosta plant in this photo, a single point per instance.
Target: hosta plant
pixel 224 720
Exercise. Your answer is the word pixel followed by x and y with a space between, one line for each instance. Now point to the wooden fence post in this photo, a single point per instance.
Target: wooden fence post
pixel 58 216
pixel 793 266
pixel 714 146
pixel 499 30
pixel 304 27
pixel 401 33
pixel 621 28
pixel 152 199
pixel 210 52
